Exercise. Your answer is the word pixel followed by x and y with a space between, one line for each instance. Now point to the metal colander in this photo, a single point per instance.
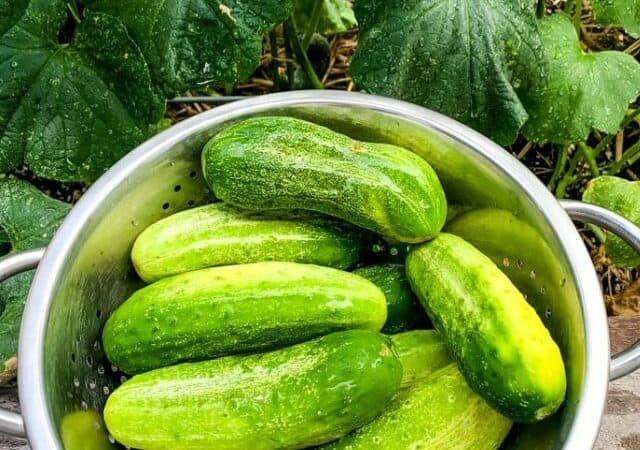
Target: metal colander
pixel 86 273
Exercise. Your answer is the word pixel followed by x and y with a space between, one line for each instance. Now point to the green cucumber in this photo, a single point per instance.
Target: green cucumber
pixel 623 197
pixel 403 310
pixel 501 345
pixel 421 353
pixel 237 309
pixel 438 412
pixel 285 163
pixel 220 234
pixel 296 397
pixel 82 430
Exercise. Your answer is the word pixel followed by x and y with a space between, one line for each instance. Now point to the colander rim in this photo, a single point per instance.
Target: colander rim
pixel 32 391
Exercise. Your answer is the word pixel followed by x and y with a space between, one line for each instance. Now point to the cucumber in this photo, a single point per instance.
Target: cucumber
pixel 403 310
pixel 623 197
pixel 439 412
pixel 219 234
pixel 299 396
pixel 501 345
pixel 421 353
pixel 285 163
pixel 82 430
pixel 237 309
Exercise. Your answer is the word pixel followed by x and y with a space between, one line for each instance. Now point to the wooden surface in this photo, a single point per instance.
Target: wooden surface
pixel 620 426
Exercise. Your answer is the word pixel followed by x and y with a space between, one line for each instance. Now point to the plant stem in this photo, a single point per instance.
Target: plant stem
pixel 558 170
pixel 301 55
pixel 75 12
pixel 568 177
pixel 631 155
pixel 577 18
pixel 610 137
pixel 275 76
pixel 588 154
pixel 313 24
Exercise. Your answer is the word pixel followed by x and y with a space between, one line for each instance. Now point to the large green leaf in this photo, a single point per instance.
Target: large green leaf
pixel 466 59
pixel 621 13
pixel 584 90
pixel 191 43
pixel 70 110
pixel 336 16
pixel 29 219
pixel 623 197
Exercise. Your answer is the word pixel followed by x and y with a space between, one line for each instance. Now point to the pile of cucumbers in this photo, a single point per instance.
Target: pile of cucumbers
pixel 263 327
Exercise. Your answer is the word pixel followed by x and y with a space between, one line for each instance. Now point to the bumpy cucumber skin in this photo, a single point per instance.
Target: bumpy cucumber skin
pixel 421 353
pixel 220 234
pixel 296 397
pixel 286 163
pixel 237 309
pixel 623 197
pixel 403 310
pixel 499 342
pixel 438 412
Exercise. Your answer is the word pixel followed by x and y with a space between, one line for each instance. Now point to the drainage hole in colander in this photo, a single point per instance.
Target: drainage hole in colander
pixel 532 274
pixel 76 382
pixel 177 188
pixel 191 203
pixel 98 314
pixel 165 206
pixel 84 405
pixel 506 261
pixel 73 357
pixel 101 369
pixel 123 378
pixel 543 290
pixel 92 384
pixel 89 361
pixel 193 174
pixel 563 282
pixel 105 390
pixel 97 346
pixel 520 264
pixel 547 313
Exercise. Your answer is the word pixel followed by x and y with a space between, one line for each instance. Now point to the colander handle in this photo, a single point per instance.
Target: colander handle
pixel 629 360
pixel 10 422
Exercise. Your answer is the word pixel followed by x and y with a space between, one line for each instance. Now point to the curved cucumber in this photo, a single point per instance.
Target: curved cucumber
pixel 219 234
pixel 237 309
pixel 403 310
pixel 439 412
pixel 287 163
pixel 503 349
pixel 623 197
pixel 421 353
pixel 296 397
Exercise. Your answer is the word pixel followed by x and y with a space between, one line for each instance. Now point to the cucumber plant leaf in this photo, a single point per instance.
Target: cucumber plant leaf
pixel 466 59
pixel 620 13
pixel 623 197
pixel 28 218
pixel 336 16
pixel 189 44
pixel 70 110
pixel 583 90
